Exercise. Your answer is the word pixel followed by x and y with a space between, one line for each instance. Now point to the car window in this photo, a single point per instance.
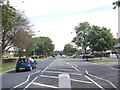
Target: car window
pixel 22 60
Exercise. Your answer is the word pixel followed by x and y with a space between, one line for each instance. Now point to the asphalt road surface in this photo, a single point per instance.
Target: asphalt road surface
pixel 82 74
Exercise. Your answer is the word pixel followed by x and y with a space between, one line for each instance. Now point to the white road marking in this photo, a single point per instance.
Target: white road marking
pixel 94 63
pixel 62 72
pixel 61 69
pixel 75 68
pixel 49 76
pixel 70 79
pixel 44 85
pixel 41 74
pixel 95 82
pixel 26 80
pixel 100 79
pixel 114 68
pixel 30 83
pixel 80 81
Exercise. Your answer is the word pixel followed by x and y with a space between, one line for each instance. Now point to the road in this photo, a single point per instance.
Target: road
pixel 82 74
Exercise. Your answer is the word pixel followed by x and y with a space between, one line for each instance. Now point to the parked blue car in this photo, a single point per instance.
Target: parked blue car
pixel 25 64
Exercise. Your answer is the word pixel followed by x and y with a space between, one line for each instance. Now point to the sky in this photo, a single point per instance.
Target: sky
pixel 57 19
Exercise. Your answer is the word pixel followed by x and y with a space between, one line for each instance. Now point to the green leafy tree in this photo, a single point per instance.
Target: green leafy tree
pixel 117 4
pixel 101 39
pixel 12 21
pixel 23 42
pixel 82 31
pixel 68 49
pixel 43 45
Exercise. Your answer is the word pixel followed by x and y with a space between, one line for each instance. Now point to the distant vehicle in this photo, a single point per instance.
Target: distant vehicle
pixel 63 56
pixel 53 56
pixel 88 56
pixel 25 64
pixel 75 56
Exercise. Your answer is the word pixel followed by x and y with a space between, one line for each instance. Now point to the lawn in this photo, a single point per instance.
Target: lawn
pixel 7 67
pixel 97 60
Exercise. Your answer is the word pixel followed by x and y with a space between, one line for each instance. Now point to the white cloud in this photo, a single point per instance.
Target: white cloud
pixel 59 28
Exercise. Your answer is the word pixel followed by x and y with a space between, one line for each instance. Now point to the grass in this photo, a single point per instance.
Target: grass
pixel 97 60
pixel 7 67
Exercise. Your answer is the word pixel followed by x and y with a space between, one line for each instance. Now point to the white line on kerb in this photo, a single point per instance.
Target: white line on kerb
pixel 95 82
pixel 100 79
pixel 49 86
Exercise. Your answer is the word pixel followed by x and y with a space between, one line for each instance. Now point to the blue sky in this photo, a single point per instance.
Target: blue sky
pixel 63 14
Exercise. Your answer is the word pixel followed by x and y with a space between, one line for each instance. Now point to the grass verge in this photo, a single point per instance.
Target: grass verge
pixel 97 60
pixel 7 67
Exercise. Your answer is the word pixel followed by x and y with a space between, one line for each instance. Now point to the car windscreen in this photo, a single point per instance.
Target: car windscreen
pixel 22 60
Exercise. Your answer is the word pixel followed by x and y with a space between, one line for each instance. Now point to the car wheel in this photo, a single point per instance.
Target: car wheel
pixel 30 68
pixel 36 66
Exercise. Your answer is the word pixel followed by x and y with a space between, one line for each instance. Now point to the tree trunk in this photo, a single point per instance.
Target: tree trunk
pixel 101 55
pixel 20 53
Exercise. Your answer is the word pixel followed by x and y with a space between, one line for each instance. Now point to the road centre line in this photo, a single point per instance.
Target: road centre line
pixel 49 86
pixel 100 78
pixel 26 80
pixel 47 67
pixel 62 72
pixel 94 82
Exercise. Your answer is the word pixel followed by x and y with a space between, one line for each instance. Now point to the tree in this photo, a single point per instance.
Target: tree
pixel 68 48
pixel 23 42
pixel 12 21
pixel 43 45
pixel 101 39
pixel 117 4
pixel 82 31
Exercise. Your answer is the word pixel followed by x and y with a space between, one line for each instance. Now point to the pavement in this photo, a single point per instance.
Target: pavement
pixel 82 74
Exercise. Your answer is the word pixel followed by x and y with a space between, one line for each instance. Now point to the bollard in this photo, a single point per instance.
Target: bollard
pixel 64 81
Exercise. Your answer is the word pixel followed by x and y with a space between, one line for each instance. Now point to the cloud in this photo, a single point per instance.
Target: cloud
pixel 57 18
